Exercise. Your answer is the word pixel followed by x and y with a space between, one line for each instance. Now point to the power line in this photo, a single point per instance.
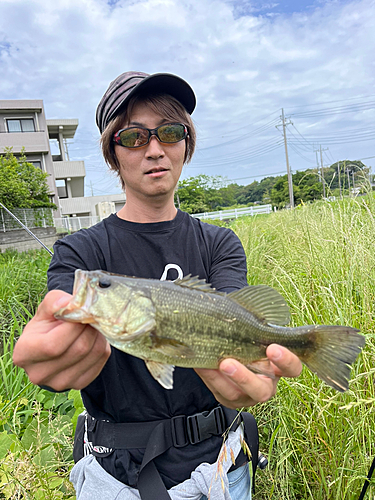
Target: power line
pixel 331 102
pixel 245 155
pixel 241 137
pixel 255 176
pixel 337 109
pixel 247 126
pixel 300 154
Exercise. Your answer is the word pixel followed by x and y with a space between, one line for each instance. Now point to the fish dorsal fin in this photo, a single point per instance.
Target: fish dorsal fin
pixel 195 283
pixel 264 302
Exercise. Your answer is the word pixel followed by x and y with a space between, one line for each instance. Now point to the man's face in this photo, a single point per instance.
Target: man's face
pixel 152 170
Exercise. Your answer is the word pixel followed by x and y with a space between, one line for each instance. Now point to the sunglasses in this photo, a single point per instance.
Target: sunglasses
pixel 135 137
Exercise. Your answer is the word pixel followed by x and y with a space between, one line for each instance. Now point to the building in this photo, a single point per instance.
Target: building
pixel 23 126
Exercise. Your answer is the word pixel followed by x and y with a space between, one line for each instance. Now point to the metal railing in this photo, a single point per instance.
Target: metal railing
pixel 30 217
pixel 235 212
pixel 73 224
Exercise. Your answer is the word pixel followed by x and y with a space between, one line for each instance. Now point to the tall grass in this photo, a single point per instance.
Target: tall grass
pixel 36 426
pixel 22 284
pixel 319 443
pixel 321 258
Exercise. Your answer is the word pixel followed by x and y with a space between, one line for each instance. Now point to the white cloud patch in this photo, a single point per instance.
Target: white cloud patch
pixel 243 68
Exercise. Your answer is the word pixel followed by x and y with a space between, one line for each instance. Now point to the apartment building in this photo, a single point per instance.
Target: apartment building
pixel 23 125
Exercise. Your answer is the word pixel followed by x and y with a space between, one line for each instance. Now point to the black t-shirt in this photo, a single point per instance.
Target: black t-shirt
pixel 125 391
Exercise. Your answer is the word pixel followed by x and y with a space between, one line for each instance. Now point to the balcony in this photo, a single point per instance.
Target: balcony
pixel 32 142
pixel 66 127
pixel 69 169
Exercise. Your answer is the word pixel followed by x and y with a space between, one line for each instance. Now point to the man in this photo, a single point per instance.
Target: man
pixel 147 136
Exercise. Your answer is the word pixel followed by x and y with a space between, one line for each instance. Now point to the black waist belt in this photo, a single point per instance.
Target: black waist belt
pixel 160 435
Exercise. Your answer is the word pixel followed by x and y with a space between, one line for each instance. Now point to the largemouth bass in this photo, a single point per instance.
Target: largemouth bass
pixel 187 323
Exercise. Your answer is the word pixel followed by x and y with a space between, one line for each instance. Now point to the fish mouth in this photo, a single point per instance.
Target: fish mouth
pixel 77 310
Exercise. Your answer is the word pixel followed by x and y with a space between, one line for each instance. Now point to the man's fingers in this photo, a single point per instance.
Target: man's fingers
pixel 56 341
pixel 57 353
pixel 74 369
pixel 75 376
pixel 235 386
pixel 286 363
pixel 258 387
pixel 52 302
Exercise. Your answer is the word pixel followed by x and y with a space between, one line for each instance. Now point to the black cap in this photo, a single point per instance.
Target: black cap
pixel 135 82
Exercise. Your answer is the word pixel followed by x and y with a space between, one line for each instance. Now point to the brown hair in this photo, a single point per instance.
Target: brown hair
pixel 163 104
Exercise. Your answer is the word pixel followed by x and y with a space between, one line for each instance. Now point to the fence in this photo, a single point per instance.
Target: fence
pixel 31 217
pixel 72 224
pixel 235 213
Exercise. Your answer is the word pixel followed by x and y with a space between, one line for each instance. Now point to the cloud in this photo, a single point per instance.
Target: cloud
pixel 243 63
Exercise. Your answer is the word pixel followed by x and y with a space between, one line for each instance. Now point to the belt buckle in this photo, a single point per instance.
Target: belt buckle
pixel 203 425
pixel 178 428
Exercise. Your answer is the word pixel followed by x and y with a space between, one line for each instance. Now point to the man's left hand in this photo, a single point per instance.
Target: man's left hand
pixel 235 386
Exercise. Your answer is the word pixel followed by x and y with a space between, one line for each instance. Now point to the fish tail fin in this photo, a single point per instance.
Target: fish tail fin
pixel 329 352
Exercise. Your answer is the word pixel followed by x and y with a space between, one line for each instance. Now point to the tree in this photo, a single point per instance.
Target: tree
pixel 199 194
pixel 280 192
pixel 257 191
pixel 306 187
pixel 22 185
pixel 357 171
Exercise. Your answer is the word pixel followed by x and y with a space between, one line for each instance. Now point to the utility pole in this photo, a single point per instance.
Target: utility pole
pixel 347 171
pixel 338 171
pixel 322 180
pixel 322 171
pixel 290 180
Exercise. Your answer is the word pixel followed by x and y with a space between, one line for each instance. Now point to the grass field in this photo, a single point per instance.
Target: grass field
pixel 321 257
pixel 319 443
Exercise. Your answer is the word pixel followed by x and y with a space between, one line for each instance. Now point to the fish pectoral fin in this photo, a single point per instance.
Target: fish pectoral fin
pixel 262 367
pixel 264 302
pixel 162 373
pixel 172 348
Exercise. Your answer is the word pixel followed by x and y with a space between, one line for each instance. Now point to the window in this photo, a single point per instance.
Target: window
pixel 36 164
pixel 21 125
pixel 61 188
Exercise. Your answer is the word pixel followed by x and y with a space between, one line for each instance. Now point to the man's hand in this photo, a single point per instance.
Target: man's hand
pixel 234 386
pixel 59 354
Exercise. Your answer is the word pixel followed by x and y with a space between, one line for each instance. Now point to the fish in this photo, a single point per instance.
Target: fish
pixel 187 323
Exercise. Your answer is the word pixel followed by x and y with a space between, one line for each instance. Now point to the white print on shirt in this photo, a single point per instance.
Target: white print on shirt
pixel 172 266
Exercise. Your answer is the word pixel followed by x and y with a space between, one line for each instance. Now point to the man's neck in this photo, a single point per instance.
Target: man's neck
pixel 144 213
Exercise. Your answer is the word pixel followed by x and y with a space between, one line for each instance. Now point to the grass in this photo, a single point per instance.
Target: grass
pixel 36 426
pixel 319 443
pixel 22 284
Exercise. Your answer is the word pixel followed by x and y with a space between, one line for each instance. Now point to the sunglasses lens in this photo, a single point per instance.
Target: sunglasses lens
pixel 173 132
pixel 133 137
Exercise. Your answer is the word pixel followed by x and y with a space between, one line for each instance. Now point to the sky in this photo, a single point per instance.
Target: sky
pixel 246 61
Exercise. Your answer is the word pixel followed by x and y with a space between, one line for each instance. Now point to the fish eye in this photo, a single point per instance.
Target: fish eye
pixel 104 283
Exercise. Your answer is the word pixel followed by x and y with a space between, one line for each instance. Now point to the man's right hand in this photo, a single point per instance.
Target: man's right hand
pixel 59 354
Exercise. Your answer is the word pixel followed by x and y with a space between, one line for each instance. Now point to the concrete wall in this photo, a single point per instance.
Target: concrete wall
pixel 21 241
pixel 87 204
